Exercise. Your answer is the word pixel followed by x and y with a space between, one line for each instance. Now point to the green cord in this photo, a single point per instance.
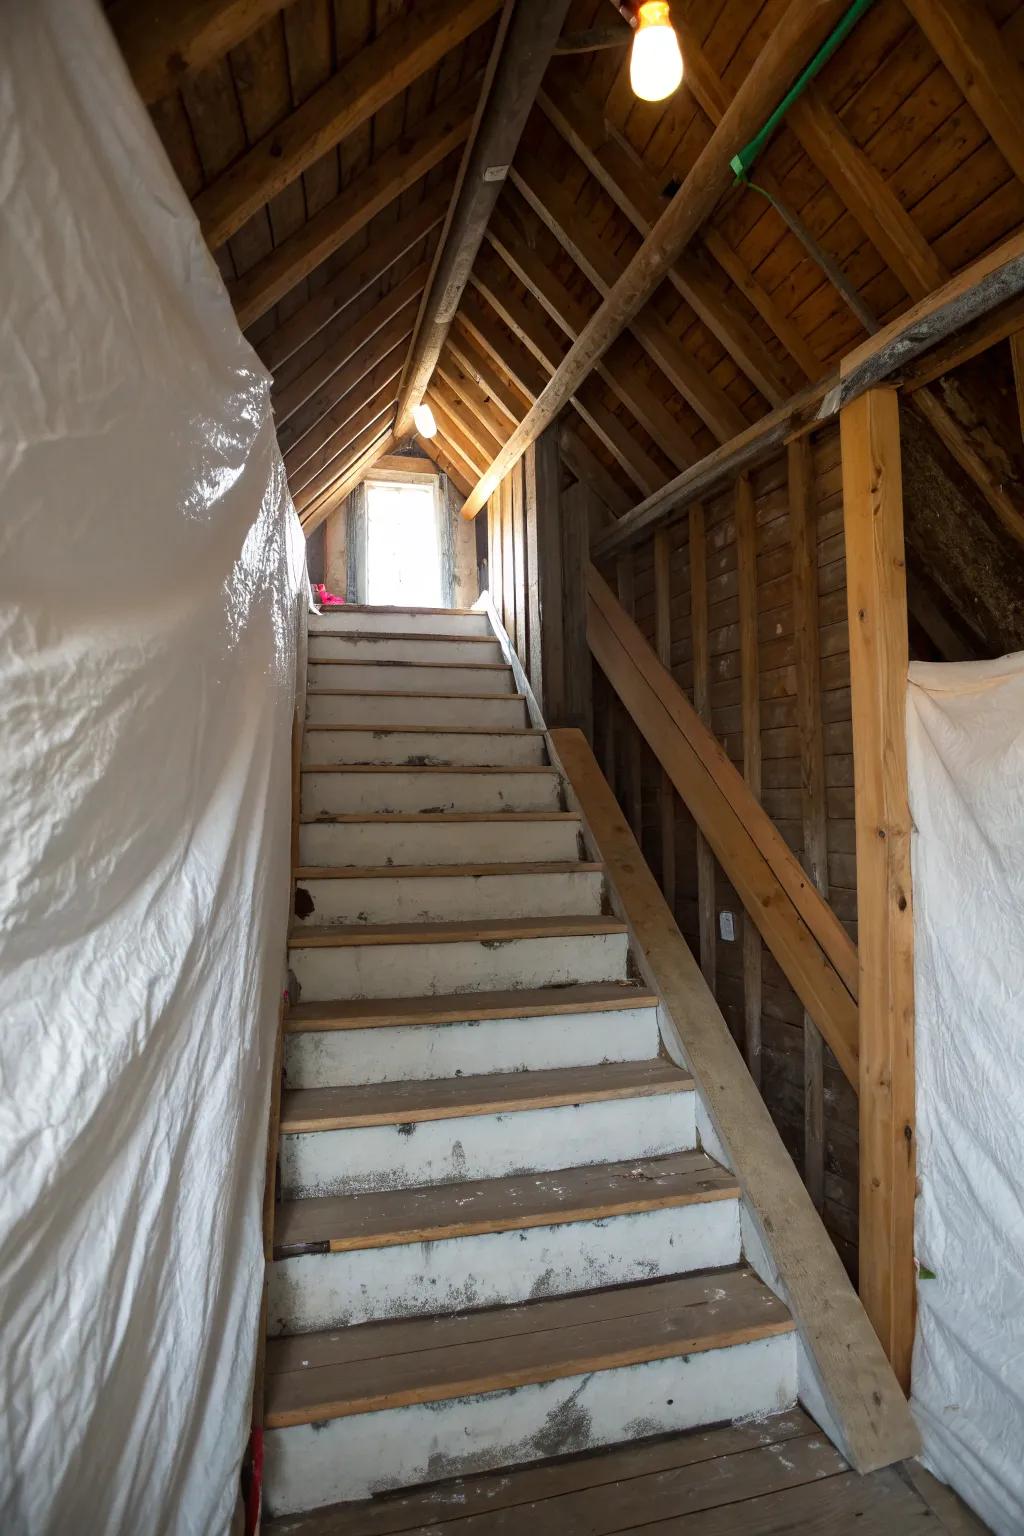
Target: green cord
pixel 742 162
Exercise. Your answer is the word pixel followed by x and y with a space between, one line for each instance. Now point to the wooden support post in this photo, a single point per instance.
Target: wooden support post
pixel 551 625
pixel 877 605
pixel 663 646
pixel 576 518
pixel 517 515
pixel 803 521
pixel 750 697
pixel 702 704
pixel 632 763
pixel 355 543
pixel 533 661
pixel 508 561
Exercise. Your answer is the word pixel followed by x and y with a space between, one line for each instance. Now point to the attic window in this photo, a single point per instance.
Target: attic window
pixel 403 563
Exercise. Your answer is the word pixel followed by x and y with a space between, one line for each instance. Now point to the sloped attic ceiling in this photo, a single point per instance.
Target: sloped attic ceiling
pixel 322 142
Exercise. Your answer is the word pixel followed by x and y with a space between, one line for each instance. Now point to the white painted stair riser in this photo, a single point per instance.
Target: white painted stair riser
pixel 362 647
pixel 351 1458
pixel 491 1146
pixel 424 749
pixel 406 621
pixel 426 969
pixel 314 1291
pixel 401 678
pixel 429 789
pixel 368 844
pixel 448 898
pixel 334 1058
pixel 379 705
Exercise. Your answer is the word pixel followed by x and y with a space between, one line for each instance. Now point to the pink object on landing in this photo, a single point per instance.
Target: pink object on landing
pixel 327 599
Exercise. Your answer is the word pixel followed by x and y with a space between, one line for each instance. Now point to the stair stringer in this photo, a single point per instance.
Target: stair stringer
pixel 844 1379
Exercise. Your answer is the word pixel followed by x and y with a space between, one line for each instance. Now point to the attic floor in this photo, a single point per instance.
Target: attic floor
pixel 772 1477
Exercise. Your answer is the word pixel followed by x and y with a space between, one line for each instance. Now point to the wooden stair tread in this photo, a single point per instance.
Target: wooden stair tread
pixel 482 769
pixel 389 661
pixel 382 1012
pixel 340 1223
pixel 408 1101
pixel 374 1366
pixel 405 693
pixel 443 871
pixel 488 930
pixel 351 816
pixel 473 613
pixel 399 634
pixel 434 730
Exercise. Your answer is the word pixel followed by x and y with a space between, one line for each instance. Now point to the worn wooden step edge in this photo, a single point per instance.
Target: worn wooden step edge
pixel 467 1007
pixel 405 693
pixel 489 930
pixel 379 661
pixel 310 1110
pixel 346 1223
pixel 509 1347
pixel 444 871
pixel 432 730
pixel 348 817
pixel 409 635
pixel 470 613
pixel 482 770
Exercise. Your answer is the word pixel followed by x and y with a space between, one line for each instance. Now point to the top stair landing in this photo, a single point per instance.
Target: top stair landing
pixel 398 621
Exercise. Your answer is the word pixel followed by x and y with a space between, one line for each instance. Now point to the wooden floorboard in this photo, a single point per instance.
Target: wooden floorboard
pixel 775 1477
pixel 524 1002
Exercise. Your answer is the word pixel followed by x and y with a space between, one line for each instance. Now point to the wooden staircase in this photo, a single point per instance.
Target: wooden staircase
pixel 498 1239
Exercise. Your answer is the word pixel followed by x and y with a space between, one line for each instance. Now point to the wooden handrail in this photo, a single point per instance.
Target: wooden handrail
pixel 803 933
pixel 845 1378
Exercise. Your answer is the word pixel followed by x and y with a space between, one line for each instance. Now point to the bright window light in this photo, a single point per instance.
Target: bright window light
pixel 403 566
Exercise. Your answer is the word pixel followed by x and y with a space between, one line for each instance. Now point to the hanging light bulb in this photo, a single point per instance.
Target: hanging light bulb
pixel 655 62
pixel 423 421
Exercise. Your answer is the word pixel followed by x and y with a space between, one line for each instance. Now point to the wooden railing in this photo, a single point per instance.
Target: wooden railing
pixel 797 924
pixel 845 1378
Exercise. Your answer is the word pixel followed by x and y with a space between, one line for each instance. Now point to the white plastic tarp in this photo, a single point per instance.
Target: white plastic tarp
pixel 151 570
pixel 965 737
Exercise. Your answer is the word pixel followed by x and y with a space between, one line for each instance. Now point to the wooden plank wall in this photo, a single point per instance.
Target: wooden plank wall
pixel 758 617
pixel 512 564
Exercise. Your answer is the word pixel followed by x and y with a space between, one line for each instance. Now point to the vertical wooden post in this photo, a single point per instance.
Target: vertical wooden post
pixel 624 573
pixel 495 576
pixel 551 621
pixel 534 660
pixel 877 605
pixel 750 700
pixel 803 532
pixel 355 544
pixel 702 704
pixel 663 646
pixel 517 515
pixel 576 518
pixel 508 560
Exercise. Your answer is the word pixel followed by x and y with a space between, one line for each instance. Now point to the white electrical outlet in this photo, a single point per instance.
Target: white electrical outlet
pixel 726 925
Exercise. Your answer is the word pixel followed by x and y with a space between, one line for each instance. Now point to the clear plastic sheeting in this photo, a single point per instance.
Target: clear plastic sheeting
pixel 151 585
pixel 965 736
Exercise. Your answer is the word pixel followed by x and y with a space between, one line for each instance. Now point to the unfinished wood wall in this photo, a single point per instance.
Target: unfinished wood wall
pixel 733 613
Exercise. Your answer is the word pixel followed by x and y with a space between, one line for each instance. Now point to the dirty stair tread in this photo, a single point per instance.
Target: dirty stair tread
pixel 412 635
pixel 482 769
pixel 541 1490
pixel 340 1223
pixel 458 1007
pixel 374 1366
pixel 400 693
pixel 348 817
pixel 490 930
pixel 388 661
pixel 432 730
pixel 407 1101
pixel 443 871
